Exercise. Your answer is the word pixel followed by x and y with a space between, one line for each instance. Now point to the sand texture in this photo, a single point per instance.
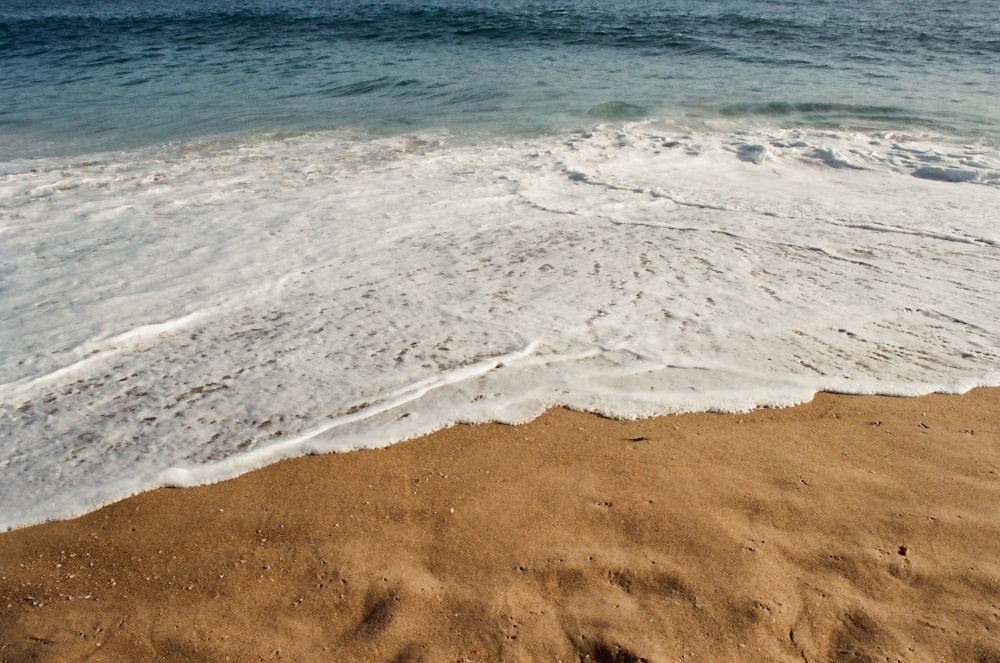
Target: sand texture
pixel 846 529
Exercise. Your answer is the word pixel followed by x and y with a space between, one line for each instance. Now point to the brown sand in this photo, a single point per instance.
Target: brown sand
pixel 847 529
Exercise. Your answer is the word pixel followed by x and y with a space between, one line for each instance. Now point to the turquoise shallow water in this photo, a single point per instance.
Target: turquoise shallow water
pixel 79 77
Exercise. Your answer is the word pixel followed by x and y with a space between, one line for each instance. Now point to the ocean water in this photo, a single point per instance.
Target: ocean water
pixel 234 232
pixel 87 75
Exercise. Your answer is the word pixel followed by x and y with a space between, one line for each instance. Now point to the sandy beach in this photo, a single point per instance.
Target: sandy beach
pixel 846 529
pixel 246 242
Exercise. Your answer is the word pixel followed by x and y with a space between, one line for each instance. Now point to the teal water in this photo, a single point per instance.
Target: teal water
pixel 79 77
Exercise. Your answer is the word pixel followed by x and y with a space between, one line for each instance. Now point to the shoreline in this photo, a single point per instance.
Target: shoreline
pixel 583 268
pixel 846 528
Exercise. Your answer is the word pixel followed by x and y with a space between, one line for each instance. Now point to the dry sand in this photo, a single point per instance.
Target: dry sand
pixel 847 529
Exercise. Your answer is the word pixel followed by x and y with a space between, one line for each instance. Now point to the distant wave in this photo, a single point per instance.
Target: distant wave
pixel 35 36
pixel 839 115
pixel 681 27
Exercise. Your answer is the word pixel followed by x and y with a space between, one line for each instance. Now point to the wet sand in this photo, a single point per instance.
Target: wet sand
pixel 846 529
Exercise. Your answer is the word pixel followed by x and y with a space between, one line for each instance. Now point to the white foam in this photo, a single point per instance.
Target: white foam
pixel 181 317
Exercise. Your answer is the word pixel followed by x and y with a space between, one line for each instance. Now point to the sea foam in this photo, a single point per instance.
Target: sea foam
pixel 179 316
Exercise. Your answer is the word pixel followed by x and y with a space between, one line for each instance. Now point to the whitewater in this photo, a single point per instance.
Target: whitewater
pixel 184 315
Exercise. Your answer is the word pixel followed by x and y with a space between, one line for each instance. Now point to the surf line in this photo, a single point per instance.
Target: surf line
pixel 180 477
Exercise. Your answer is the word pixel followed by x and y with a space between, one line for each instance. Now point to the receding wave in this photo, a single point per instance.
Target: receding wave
pixel 373 290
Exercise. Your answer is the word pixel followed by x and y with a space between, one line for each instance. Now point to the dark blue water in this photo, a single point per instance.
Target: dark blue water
pixel 79 76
